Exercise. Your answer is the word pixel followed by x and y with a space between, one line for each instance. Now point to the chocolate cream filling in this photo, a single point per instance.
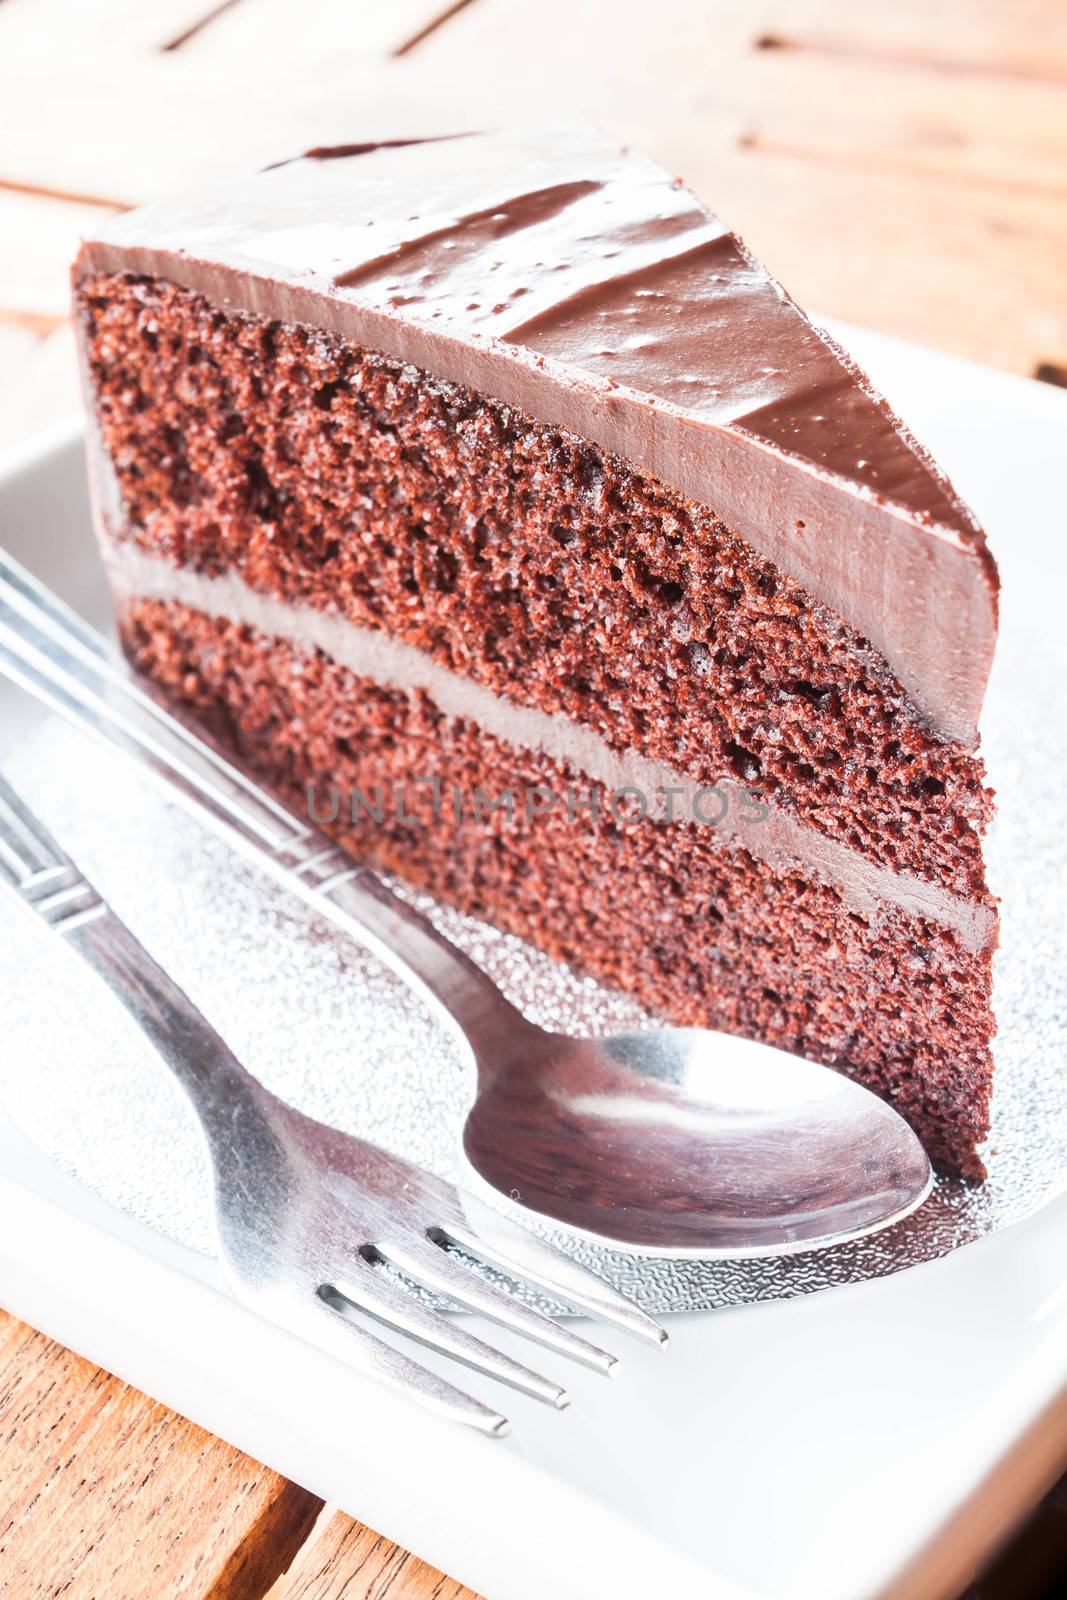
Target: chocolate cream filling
pixel 767 832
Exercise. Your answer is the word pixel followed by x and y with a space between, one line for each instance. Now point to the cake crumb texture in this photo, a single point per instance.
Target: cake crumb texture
pixel 702 935
pixel 517 555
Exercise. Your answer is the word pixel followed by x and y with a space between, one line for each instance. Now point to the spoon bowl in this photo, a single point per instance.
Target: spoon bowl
pixel 684 1142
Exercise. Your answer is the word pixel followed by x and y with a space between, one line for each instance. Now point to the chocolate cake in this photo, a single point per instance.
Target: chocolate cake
pixel 503 509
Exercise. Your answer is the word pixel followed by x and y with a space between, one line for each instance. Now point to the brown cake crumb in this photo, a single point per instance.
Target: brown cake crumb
pixel 517 555
pixel 702 934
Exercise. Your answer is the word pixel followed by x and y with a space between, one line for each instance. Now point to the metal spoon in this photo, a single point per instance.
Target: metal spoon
pixel 674 1141
pixel 679 1141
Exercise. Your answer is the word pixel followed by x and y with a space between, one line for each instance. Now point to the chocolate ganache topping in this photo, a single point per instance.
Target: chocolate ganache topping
pixel 582 284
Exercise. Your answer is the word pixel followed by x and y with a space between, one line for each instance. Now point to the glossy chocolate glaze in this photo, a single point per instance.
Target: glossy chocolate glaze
pixel 584 285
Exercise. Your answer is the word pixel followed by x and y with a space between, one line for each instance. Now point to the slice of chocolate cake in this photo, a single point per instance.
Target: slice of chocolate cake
pixel 489 491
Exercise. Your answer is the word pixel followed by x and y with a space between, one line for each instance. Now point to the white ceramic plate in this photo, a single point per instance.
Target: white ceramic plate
pixel 869 1440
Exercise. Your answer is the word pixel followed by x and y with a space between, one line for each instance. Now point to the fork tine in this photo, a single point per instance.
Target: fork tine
pixel 499 1242
pixel 432 1266
pixel 315 1320
pixel 372 1290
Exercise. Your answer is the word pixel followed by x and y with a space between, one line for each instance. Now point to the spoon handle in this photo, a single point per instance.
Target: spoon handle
pixel 51 651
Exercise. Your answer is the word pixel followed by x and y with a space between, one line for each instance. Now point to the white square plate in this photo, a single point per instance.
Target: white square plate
pixel 867 1441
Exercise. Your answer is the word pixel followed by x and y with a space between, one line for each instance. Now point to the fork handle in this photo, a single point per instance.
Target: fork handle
pixel 44 879
pixel 60 659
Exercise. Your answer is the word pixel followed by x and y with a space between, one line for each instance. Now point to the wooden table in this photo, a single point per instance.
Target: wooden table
pixel 902 164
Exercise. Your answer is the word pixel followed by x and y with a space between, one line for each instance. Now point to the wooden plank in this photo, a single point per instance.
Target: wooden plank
pixel 167 127
pixel 254 37
pixel 240 38
pixel 41 239
pixel 577 61
pixel 701 71
pixel 36 32
pixel 346 1561
pixel 171 123
pixel 106 1493
pixel 1026 38
pixel 143 133
pixel 987 134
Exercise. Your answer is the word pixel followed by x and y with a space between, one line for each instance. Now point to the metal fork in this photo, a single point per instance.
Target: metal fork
pixel 310 1220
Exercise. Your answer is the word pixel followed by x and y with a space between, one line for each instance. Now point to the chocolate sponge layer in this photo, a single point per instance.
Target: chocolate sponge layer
pixel 698 928
pixel 518 555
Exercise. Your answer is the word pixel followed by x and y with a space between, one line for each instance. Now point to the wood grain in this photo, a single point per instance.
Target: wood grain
pixel 984 134
pixel 35 276
pixel 109 1496
pixel 993 38
pixel 345 1561
pixel 39 31
pixel 334 36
